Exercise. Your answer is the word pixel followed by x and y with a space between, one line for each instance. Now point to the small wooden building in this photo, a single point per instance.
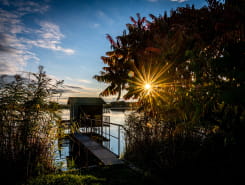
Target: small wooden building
pixel 90 107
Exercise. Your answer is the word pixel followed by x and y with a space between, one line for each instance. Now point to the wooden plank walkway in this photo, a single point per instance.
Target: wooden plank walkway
pixel 103 154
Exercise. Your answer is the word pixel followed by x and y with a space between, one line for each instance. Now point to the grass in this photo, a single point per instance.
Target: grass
pixel 107 175
pixel 65 179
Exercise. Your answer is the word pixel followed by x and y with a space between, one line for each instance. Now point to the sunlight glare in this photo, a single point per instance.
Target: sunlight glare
pixel 150 84
pixel 147 86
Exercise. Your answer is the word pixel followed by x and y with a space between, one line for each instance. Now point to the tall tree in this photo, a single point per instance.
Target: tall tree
pixel 119 60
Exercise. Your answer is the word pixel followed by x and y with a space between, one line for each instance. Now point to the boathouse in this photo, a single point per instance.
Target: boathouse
pixel 91 107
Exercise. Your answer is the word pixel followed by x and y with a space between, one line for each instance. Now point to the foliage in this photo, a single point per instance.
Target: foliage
pixel 27 124
pixel 65 179
pixel 107 175
pixel 118 174
pixel 164 152
pixel 193 61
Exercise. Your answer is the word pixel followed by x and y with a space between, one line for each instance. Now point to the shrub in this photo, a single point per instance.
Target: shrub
pixel 66 179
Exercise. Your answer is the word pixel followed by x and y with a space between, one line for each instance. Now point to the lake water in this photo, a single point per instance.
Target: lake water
pixel 117 117
pixel 63 146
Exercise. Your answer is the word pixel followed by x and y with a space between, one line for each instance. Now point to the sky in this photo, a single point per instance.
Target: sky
pixel 68 37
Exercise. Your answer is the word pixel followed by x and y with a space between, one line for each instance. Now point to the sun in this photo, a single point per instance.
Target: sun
pixel 150 84
pixel 147 86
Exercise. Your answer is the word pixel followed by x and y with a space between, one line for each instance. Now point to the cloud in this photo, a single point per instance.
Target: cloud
pixel 73 87
pixel 78 80
pixel 179 1
pixel 80 88
pixel 95 25
pixel 84 81
pixel 10 22
pixel 49 37
pixel 29 6
pixel 72 90
pixel 64 97
pixel 25 7
pixel 13 54
pixel 15 46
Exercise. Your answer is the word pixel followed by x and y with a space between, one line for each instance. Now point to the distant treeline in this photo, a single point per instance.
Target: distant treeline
pixel 120 104
pixel 63 106
pixel 108 105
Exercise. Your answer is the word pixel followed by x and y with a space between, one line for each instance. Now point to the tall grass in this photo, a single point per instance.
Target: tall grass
pixel 168 151
pixel 27 129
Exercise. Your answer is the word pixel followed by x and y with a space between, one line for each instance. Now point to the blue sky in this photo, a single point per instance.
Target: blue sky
pixel 68 37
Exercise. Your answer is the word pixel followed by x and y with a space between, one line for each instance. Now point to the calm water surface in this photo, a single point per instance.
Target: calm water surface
pixel 62 146
pixel 117 117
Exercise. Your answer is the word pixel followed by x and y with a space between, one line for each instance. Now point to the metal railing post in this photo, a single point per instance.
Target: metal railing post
pixel 109 136
pixel 118 141
pixel 91 122
pixel 86 124
pixel 101 129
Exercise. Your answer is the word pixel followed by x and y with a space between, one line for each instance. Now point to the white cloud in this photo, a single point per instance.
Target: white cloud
pixel 180 1
pixel 49 37
pixel 84 81
pixel 13 53
pixel 50 31
pixel 15 50
pixel 78 80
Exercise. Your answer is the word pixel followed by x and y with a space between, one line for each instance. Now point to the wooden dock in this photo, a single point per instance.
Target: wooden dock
pixel 103 154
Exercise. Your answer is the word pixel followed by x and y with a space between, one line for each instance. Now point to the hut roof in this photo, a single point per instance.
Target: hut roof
pixel 85 101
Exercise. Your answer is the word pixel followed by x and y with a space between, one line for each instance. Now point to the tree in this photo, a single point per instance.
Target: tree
pixel 116 70
pixel 194 62
pixel 27 124
pixel 119 60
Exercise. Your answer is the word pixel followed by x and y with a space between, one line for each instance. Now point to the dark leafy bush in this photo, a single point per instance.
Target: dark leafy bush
pixel 66 179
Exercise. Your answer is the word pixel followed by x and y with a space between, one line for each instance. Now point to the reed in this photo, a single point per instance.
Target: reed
pixel 28 121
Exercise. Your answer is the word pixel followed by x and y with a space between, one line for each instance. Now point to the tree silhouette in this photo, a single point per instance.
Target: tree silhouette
pixel 195 62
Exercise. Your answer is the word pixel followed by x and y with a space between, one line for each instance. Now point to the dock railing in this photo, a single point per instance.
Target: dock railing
pixel 107 131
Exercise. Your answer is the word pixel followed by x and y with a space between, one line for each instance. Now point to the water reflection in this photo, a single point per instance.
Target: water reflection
pixel 62 152
pixel 117 117
pixel 64 147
